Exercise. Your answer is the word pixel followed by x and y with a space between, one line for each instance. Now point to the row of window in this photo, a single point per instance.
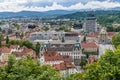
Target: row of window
pixel 71 54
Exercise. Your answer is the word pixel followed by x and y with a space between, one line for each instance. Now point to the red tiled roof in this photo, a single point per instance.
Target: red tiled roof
pixel 5 50
pixel 92 44
pixel 26 51
pixel 94 34
pixel 13 46
pixel 53 56
pixel 111 33
pixel 64 66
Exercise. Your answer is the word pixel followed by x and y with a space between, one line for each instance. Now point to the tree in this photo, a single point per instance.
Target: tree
pixel 21 35
pixel 28 44
pixel 84 39
pixel 62 28
pixel 46 28
pixel 11 61
pixel 106 68
pixel 67 30
pixel 37 48
pixel 16 25
pixel 116 40
pixel 27 69
pixel 0 29
pixel 83 62
pixel 7 40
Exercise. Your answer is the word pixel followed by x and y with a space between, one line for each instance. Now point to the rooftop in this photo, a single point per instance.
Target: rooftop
pixel 61 47
pixel 92 44
pixel 26 51
pixel 94 34
pixel 5 50
pixel 54 56
pixel 64 66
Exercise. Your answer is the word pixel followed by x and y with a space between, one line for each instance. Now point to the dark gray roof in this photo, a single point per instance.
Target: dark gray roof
pixel 62 47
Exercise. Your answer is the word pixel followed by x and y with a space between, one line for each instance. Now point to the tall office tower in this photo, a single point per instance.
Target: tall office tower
pixel 90 24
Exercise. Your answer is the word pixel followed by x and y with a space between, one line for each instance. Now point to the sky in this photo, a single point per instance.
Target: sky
pixel 46 5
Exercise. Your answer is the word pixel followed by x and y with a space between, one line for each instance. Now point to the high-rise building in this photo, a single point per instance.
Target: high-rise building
pixel 90 24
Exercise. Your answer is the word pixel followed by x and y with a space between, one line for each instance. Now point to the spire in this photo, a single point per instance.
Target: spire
pixel 77 45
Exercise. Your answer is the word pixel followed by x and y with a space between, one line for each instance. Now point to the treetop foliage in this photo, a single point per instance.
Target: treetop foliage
pixel 27 69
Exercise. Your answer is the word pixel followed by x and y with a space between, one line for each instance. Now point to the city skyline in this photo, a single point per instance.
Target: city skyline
pixel 46 5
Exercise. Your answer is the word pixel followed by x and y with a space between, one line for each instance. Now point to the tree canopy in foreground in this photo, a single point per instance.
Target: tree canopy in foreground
pixel 27 69
pixel 106 68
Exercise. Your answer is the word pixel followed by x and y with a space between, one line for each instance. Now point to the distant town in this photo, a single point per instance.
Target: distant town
pixel 65 44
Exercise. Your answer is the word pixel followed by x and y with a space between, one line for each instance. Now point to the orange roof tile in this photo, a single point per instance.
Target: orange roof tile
pixel 64 66
pixel 92 44
pixel 111 33
pixel 53 56
pixel 13 46
pixel 94 34
pixel 5 50
pixel 26 51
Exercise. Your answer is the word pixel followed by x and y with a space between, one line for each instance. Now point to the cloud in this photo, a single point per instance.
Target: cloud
pixel 95 5
pixel 40 5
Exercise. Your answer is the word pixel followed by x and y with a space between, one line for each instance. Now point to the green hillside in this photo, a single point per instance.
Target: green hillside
pixel 104 17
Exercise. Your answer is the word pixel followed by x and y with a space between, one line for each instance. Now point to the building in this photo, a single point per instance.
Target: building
pixel 92 36
pixel 72 49
pixel 23 52
pixel 62 63
pixel 19 52
pixel 4 53
pixel 90 24
pixel 103 36
pixel 5 28
pixel 52 57
pixel 45 36
pixel 77 27
pixel 90 48
pixel 52 36
pixel 65 68
pixel 110 35
pixel 71 36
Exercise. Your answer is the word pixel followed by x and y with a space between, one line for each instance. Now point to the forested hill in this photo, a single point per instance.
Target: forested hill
pixel 104 17
pixel 24 14
pixel 82 14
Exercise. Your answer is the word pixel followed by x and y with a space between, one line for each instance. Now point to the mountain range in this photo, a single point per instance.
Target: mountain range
pixel 82 14
pixel 52 13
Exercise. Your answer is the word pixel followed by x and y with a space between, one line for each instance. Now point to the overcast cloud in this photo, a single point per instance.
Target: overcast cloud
pixel 45 5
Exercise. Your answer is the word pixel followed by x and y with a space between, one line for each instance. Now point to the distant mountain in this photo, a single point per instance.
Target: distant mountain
pixel 83 14
pixel 73 14
pixel 116 8
pixel 52 13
